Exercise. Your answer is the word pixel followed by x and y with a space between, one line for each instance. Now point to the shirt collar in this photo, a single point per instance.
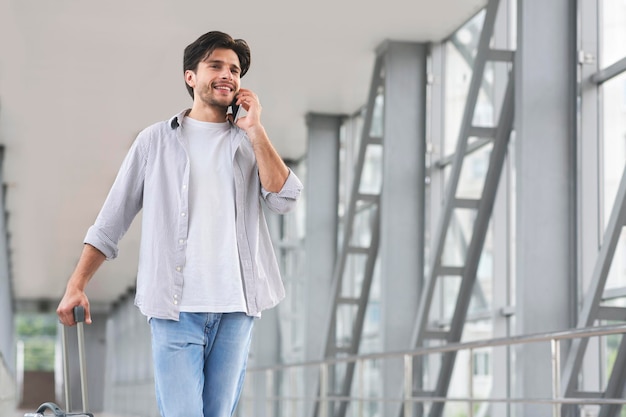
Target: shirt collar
pixel 177 120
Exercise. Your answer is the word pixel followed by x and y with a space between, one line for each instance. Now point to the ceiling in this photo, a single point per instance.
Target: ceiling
pixel 79 79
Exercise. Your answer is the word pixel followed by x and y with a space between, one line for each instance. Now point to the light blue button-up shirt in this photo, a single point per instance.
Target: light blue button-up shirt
pixel 154 177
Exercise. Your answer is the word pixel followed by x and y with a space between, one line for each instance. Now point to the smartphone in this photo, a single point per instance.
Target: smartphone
pixel 234 109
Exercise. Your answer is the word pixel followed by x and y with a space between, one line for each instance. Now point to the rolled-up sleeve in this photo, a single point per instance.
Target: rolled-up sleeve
pixel 284 200
pixel 99 240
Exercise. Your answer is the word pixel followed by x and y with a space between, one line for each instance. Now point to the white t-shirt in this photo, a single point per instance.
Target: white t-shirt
pixel 212 275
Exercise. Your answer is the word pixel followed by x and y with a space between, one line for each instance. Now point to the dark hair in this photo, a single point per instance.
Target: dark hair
pixel 202 47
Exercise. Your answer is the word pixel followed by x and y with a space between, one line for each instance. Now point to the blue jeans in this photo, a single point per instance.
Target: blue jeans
pixel 200 363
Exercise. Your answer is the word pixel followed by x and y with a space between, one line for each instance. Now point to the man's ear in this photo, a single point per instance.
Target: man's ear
pixel 190 78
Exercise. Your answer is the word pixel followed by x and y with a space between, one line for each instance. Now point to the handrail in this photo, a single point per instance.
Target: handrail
pixel 476 344
pixel 555 338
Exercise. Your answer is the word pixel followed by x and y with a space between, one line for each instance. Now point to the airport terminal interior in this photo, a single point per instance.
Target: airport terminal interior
pixel 458 248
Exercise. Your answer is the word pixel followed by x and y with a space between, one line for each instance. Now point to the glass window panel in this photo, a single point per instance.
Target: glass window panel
pixel 353 275
pixel 346 316
pixel 450 294
pixel 614 137
pixel 491 94
pixel 377 127
pixel 611 346
pixel 619 301
pixel 485 106
pixel 613 15
pixel 458 237
pixel 372 175
pixel 473 173
pixel 613 111
pixel 363 221
pixel 617 270
pixel 446 294
pixel 460 372
pixel 371 338
pixel 349 139
pixel 614 158
pixel 371 326
pixel 350 136
pixel 431 365
pixel 460 54
pixel 483 292
pixel 458 76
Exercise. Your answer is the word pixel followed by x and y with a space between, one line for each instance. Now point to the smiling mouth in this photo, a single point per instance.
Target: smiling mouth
pixel 224 88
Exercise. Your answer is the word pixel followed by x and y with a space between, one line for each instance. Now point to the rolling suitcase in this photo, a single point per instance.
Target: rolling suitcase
pixel 79 317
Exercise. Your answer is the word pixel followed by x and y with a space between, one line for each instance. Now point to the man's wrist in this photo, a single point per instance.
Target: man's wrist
pixel 256 132
pixel 76 284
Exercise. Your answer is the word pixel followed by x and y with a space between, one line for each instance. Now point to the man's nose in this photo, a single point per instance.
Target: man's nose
pixel 226 74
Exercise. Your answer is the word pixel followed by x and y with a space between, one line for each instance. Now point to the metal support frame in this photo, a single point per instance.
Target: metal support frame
pixel 498 136
pixel 593 311
pixel 609 72
pixel 358 200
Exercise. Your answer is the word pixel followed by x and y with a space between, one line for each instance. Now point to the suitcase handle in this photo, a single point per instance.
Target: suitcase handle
pixel 56 411
pixel 79 318
pixel 52 407
pixel 79 314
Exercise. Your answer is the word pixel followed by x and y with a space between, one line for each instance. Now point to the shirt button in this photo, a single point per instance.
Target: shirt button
pixel 183 214
pixel 181 241
pixel 175 302
pixel 179 268
pixel 184 186
pixel 176 296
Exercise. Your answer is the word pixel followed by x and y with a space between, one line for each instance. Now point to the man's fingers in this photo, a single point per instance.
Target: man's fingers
pixel 66 318
pixel 66 315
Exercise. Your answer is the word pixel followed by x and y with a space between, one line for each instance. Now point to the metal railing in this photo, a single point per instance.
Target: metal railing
pixel 262 398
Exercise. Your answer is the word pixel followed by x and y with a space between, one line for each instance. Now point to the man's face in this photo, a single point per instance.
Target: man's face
pixel 216 79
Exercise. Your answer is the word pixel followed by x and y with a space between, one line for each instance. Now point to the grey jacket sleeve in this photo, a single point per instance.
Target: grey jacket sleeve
pixel 124 201
pixel 284 200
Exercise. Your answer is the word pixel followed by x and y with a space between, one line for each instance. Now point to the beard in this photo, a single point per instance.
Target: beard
pixel 210 99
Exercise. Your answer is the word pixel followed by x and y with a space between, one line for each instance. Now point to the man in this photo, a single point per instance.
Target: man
pixel 206 263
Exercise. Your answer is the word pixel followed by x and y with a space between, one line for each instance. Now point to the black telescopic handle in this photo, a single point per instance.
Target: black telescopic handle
pixel 79 314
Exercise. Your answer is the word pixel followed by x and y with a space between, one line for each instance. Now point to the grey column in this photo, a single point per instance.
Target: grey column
pixel 7 310
pixel 401 252
pixel 591 228
pixel 321 190
pixel 321 199
pixel 503 244
pixel 546 201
